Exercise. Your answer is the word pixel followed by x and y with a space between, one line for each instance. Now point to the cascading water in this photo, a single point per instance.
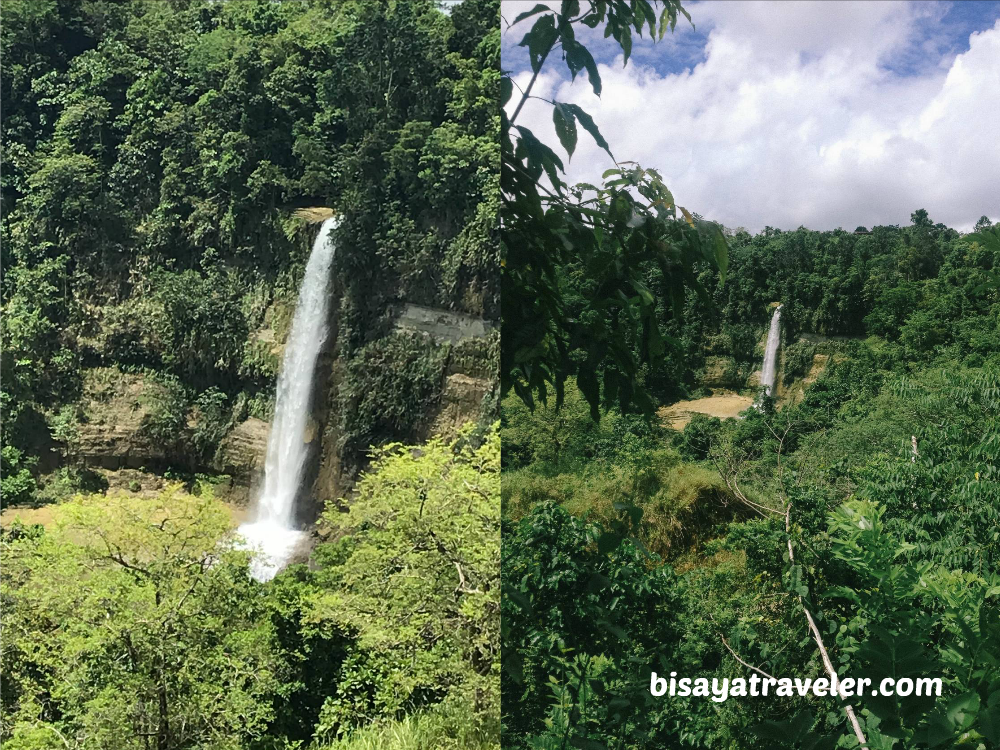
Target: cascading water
pixel 273 531
pixel 768 371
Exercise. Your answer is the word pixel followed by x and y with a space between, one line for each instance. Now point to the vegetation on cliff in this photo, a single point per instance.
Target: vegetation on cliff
pixel 153 155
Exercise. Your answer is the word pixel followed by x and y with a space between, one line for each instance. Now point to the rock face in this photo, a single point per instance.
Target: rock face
pixel 108 433
pixel 794 393
pixel 464 386
pixel 117 447
pixel 461 399
pixel 443 325
pixel 241 455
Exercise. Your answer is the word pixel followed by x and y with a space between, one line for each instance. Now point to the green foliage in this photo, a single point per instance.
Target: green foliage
pixel 17 485
pixel 796 361
pixel 696 438
pixel 391 636
pixel 914 618
pixel 664 505
pixel 568 436
pixel 616 470
pixel 416 583
pixel 627 239
pixel 202 330
pixel 589 619
pixel 741 342
pixel 67 481
pixel 167 404
pixel 121 628
pixel 442 727
pixel 389 387
pixel 211 421
pixel 476 357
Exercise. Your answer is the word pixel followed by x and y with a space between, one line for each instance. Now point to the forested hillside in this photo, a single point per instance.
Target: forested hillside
pixel 155 156
pixel 154 152
pixel 886 472
pixel 846 522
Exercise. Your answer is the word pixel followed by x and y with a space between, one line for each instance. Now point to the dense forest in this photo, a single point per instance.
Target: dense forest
pixel 845 522
pixel 155 154
pixel 679 537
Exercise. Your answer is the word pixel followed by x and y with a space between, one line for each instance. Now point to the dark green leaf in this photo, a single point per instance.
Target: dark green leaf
pixel 540 8
pixel 588 124
pixel 506 90
pixel 565 125
pixel 539 40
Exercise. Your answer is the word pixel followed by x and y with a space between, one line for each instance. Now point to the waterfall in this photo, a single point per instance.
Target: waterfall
pixel 768 371
pixel 273 530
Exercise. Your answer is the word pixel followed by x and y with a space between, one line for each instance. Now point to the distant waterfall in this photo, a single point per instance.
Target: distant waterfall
pixel 768 371
pixel 273 531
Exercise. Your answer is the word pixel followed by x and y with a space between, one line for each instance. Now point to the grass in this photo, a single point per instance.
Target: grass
pixel 682 503
pixel 423 731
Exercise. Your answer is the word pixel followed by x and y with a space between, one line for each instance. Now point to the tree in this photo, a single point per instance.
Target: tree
pixel 919 218
pixel 132 623
pixel 983 224
pixel 910 619
pixel 415 580
pixel 605 233
pixel 586 621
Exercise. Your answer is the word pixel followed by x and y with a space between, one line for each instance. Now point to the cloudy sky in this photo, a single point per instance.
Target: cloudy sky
pixel 823 114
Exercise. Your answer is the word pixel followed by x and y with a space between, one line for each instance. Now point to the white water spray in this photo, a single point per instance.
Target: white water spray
pixel 273 531
pixel 768 371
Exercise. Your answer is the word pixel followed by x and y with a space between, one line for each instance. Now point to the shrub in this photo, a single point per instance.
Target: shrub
pixel 796 360
pixel 569 436
pixel 583 622
pixel 680 503
pixel 696 439
pixel 212 421
pixel 17 485
pixel 167 405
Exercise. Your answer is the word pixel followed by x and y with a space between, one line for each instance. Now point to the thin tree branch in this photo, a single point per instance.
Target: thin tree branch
pixel 736 656
pixel 827 663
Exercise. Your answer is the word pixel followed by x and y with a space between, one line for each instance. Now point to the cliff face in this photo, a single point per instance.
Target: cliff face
pixel 131 421
pixel 241 455
pixel 110 425
pixel 462 387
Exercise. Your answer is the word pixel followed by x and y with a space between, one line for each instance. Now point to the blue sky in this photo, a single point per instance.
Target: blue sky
pixel 786 113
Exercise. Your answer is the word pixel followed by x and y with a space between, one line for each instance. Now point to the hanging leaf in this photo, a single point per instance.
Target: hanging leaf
pixel 565 125
pixel 590 126
pixel 506 90
pixel 540 40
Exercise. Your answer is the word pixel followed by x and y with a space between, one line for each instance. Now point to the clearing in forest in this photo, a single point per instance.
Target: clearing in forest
pixel 723 405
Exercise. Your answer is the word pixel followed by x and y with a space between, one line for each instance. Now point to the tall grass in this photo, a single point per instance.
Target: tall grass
pixel 430 730
pixel 682 503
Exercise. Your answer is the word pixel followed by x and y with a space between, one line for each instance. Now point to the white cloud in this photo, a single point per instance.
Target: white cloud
pixel 797 117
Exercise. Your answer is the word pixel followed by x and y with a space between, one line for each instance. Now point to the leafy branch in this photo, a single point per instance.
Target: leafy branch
pixel 627 237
